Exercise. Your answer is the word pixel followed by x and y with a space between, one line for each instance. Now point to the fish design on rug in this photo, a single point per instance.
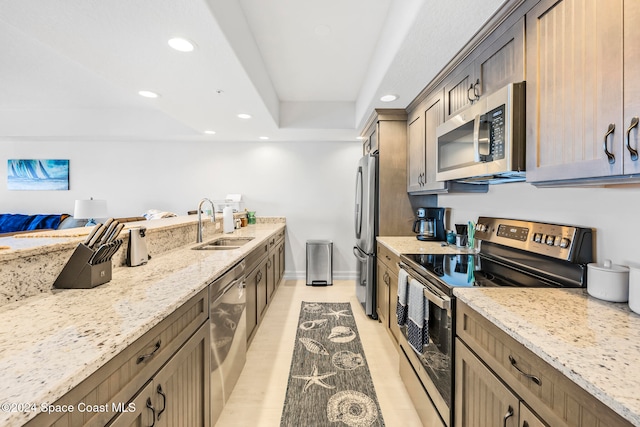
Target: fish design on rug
pixel 313 307
pixel 342 334
pixel 347 360
pixel 315 378
pixel 313 324
pixel 314 346
pixel 353 408
pixel 338 314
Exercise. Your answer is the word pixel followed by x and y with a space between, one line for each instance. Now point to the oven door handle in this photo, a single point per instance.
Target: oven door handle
pixel 442 302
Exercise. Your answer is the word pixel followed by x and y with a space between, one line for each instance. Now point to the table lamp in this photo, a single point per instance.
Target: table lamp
pixel 90 209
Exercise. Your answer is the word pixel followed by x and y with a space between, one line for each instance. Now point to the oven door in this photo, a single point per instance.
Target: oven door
pixel 434 365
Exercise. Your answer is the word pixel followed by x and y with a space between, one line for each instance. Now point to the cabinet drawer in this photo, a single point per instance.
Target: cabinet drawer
pixel 390 259
pixel 558 400
pixel 120 378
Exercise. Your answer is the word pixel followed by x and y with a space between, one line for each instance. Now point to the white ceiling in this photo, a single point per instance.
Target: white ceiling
pixel 304 70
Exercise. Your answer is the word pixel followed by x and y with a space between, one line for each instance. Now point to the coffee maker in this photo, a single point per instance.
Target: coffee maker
pixel 429 224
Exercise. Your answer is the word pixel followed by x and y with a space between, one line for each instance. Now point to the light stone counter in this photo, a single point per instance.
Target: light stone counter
pixel 51 342
pixel 410 245
pixel 594 343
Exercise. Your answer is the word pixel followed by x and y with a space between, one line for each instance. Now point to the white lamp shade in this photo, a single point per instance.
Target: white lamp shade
pixel 86 209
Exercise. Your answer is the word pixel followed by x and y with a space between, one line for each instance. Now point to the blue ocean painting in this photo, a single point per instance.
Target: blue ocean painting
pixel 37 174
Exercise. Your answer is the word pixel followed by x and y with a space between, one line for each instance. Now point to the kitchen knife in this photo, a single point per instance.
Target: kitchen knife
pixel 99 253
pixel 96 237
pixel 115 233
pixel 91 234
pixel 107 234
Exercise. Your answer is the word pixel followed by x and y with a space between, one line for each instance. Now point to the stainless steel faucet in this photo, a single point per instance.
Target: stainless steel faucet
pixel 213 217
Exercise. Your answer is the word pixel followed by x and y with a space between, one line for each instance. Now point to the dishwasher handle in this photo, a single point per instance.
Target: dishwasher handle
pixel 226 289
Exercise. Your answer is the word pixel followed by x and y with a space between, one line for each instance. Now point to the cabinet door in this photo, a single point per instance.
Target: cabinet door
pixel 458 90
pixel 574 89
pixel 142 411
pixel 182 386
pixel 433 117
pixel 280 272
pixel 481 399
pixel 271 274
pixel 261 288
pixel 631 85
pixel 502 62
pixel 416 151
pixel 252 302
pixel 528 418
pixel 382 294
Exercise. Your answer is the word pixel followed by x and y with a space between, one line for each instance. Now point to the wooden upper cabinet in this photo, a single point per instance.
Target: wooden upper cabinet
pixel 416 151
pixel 631 86
pixel 498 61
pixel 575 88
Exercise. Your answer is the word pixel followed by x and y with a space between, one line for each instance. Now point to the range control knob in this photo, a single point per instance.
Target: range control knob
pixel 481 228
pixel 564 243
pixel 537 237
pixel 550 239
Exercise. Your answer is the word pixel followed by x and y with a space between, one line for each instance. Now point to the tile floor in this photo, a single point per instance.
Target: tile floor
pixel 258 397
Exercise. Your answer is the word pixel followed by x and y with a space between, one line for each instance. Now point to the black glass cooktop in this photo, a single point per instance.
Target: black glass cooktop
pixel 471 270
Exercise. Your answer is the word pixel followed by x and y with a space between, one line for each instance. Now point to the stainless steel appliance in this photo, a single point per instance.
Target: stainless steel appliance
pixel 228 317
pixel 365 230
pixel 513 253
pixel 429 224
pixel 137 252
pixel 485 143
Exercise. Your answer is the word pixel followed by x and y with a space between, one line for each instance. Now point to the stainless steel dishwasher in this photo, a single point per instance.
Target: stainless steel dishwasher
pixel 228 317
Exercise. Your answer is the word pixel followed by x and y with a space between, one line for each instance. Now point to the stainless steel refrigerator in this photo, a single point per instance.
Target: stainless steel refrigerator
pixel 365 230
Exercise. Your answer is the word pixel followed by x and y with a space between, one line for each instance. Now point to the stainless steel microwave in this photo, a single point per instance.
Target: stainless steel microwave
pixel 485 143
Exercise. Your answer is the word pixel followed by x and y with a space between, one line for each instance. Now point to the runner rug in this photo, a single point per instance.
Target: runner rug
pixel 329 380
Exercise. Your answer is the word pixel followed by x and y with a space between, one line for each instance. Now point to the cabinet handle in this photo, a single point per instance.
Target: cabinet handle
pixel 508 415
pixel 164 400
pixel 269 263
pixel 476 93
pixel 153 411
pixel 148 355
pixel 633 152
pixel 533 378
pixel 610 156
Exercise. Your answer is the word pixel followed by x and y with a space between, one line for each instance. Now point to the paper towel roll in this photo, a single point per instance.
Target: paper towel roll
pixel 227 219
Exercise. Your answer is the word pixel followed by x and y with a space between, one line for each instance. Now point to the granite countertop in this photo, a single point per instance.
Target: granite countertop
pixel 410 245
pixel 594 343
pixel 51 342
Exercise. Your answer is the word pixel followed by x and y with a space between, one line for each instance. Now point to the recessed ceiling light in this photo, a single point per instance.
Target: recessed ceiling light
pixel 264 137
pixel 388 98
pixel 244 116
pixel 210 132
pixel 148 94
pixel 182 45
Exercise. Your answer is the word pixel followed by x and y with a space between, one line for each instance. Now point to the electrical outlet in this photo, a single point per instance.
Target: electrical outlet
pixel 217 226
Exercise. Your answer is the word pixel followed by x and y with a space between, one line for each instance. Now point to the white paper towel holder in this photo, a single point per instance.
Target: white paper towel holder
pixel 227 219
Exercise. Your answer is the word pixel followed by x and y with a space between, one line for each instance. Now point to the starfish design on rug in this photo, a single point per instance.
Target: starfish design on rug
pixel 338 314
pixel 315 378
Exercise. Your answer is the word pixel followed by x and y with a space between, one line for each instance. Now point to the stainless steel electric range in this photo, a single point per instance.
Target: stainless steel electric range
pixel 512 253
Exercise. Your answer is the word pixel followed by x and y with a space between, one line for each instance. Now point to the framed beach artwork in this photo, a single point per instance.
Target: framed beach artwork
pixel 37 174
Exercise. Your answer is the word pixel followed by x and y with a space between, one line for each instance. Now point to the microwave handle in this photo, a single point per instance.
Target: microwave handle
pixel 476 139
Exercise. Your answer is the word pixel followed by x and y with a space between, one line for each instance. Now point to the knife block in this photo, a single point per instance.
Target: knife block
pixel 78 273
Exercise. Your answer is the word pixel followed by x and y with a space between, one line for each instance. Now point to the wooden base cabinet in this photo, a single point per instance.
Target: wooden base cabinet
pixel 387 289
pixel 496 375
pixel 178 395
pixel 172 359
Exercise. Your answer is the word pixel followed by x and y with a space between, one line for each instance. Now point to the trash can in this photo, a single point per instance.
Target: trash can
pixel 319 263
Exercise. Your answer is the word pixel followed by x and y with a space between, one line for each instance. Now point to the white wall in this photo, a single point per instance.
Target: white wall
pixel 613 212
pixel 311 184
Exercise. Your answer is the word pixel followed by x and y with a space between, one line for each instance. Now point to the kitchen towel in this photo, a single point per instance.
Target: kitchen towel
pixel 418 313
pixel 401 306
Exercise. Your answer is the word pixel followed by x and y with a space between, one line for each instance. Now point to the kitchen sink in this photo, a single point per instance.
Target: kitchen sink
pixel 223 243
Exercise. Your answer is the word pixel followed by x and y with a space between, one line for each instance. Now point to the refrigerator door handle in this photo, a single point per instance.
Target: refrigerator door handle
pixel 358 255
pixel 359 196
